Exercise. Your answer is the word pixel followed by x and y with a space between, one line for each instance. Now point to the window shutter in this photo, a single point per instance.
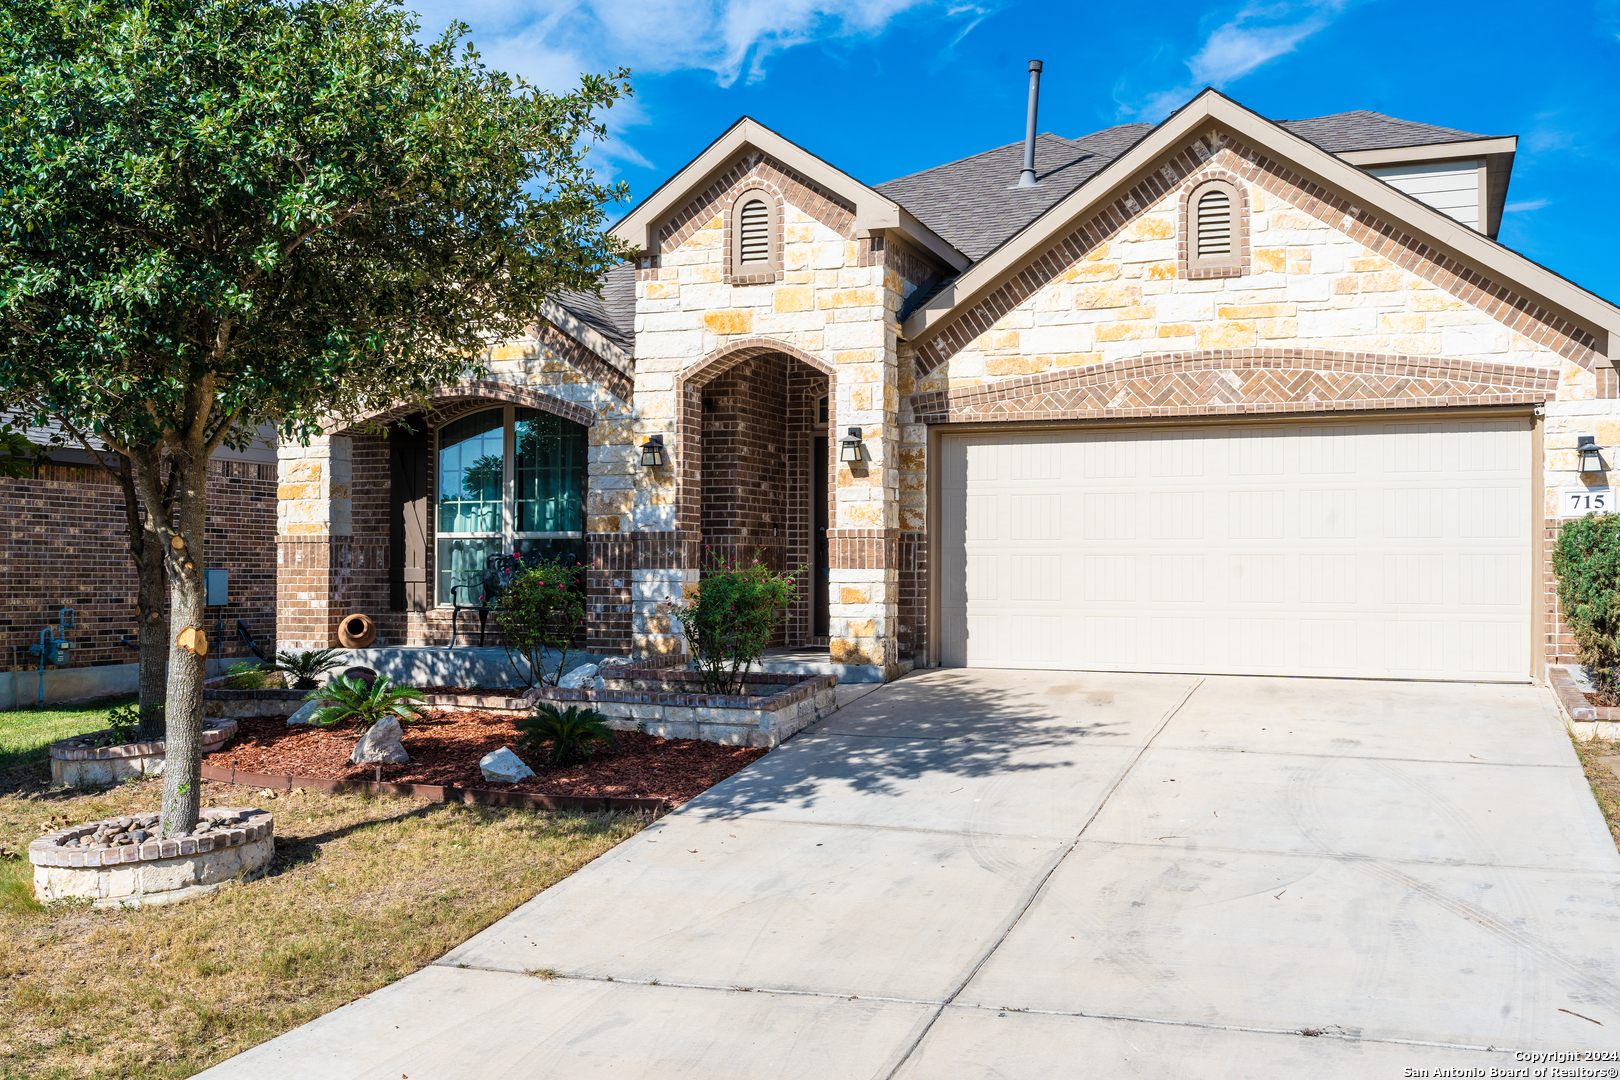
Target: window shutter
pixel 754 232
pixel 409 456
pixel 1214 225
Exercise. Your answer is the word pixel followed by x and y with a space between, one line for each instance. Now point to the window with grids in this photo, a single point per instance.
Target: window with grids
pixel 753 234
pixel 510 480
pixel 1214 227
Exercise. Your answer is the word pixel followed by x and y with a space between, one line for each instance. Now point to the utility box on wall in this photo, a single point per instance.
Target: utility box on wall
pixel 216 588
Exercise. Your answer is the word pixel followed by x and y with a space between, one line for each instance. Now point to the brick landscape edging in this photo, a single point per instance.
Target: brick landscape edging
pixel 438 793
pixel 215 734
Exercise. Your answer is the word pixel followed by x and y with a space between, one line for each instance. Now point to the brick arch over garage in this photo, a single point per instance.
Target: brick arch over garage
pixel 689 415
pixel 469 396
pixel 1215 382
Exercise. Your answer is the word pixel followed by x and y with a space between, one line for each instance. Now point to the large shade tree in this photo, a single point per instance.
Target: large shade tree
pixel 224 212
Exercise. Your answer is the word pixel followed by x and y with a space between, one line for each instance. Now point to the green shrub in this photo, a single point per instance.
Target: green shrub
pixel 306 668
pixel 1587 562
pixel 562 737
pixel 351 699
pixel 731 616
pixel 540 612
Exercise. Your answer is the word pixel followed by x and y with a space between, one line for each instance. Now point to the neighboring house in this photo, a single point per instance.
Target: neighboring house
pixel 63 544
pixel 1222 395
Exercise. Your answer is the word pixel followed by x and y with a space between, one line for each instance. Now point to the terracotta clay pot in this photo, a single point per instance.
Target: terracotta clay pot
pixel 356 631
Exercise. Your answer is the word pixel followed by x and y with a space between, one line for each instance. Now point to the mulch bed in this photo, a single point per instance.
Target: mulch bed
pixel 446 744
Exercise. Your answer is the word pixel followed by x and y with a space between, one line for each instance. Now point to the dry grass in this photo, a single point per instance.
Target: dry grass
pixel 362 892
pixel 1605 784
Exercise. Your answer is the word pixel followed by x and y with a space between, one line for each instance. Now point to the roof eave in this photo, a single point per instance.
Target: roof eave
pixel 1447 151
pixel 874 212
pixel 1581 306
pixel 588 336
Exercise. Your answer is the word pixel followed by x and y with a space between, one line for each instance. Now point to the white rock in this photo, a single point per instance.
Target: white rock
pixel 578 678
pixel 382 745
pixel 504 767
pixel 306 713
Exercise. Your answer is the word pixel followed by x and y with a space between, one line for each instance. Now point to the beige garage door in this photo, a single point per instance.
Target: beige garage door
pixel 1377 548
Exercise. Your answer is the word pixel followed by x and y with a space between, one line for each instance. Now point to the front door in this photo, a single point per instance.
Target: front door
pixel 819 574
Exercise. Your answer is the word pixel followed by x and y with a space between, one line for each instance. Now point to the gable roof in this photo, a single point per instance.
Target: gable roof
pixel 873 210
pixel 1211 106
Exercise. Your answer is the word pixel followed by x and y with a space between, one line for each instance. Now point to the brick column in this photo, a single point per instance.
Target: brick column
pixel 314 527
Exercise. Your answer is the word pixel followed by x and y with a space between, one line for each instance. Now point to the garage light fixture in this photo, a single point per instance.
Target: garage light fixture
pixel 851 449
pixel 652 452
pixel 1591 456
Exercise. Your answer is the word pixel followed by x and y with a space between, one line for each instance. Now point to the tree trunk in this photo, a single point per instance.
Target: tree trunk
pixel 153 637
pixel 188 649
pixel 151 630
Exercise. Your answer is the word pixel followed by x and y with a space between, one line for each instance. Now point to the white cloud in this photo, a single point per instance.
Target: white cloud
pixel 1526 205
pixel 1254 36
pixel 551 42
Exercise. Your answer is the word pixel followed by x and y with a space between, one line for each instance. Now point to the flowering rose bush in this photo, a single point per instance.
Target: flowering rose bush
pixel 731 616
pixel 540 612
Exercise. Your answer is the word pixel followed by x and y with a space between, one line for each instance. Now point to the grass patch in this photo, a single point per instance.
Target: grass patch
pixel 363 891
pixel 26 736
pixel 1605 784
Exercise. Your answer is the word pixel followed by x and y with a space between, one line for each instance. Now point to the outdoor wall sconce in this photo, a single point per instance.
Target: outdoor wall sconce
pixel 1591 456
pixel 851 449
pixel 652 452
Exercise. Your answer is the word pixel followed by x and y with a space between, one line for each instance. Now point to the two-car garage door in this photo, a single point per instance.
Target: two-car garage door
pixel 1397 549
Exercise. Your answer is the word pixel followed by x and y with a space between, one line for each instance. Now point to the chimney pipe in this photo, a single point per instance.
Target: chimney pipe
pixel 1027 177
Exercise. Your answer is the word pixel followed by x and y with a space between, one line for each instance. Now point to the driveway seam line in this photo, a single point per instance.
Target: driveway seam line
pixel 1247 1030
pixel 1348 856
pixel 1367 757
pixel 1040 885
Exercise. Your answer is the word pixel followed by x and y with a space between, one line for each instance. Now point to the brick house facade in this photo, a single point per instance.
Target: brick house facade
pixel 950 305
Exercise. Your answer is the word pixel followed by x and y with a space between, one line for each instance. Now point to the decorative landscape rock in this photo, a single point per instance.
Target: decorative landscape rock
pixel 122 863
pixel 305 714
pixel 79 762
pixel 382 745
pixel 504 767
pixel 581 677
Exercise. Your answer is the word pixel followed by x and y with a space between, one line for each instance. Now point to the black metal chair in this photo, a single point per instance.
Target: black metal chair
pixel 498 573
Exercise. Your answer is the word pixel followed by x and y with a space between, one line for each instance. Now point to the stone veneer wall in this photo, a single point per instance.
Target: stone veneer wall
pixel 62 544
pixel 833 307
pixel 333 529
pixel 1337 310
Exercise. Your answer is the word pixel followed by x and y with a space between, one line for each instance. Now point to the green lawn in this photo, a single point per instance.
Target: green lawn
pixel 27 733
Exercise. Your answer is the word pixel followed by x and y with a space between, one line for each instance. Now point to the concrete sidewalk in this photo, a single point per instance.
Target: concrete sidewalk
pixel 1032 874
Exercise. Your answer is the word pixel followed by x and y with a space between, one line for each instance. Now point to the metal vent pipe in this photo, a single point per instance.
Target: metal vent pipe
pixel 1027 177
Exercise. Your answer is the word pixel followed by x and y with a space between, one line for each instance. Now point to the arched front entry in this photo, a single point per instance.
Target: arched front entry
pixel 757 475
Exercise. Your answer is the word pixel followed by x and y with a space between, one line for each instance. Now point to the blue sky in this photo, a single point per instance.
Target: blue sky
pixel 888 87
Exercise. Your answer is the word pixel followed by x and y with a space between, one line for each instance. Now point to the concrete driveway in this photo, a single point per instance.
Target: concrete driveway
pixel 1053 874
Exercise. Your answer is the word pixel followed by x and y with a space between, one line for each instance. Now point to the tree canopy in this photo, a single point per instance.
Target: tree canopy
pixel 219 212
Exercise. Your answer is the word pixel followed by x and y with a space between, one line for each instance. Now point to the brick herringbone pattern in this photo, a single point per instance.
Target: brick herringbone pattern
pixel 1217 382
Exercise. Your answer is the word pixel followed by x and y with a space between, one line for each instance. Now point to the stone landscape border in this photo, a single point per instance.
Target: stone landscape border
pixel 438 793
pixel 155 871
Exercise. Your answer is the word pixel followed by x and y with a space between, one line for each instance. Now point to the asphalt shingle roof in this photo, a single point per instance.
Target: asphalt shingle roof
pixel 1362 129
pixel 613 314
pixel 975 205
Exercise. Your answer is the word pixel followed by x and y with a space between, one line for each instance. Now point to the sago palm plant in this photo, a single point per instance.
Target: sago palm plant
pixel 352 699
pixel 562 737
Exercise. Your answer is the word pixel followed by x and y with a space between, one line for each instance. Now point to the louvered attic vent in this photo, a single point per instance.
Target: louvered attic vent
pixel 754 237
pixel 1215 225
